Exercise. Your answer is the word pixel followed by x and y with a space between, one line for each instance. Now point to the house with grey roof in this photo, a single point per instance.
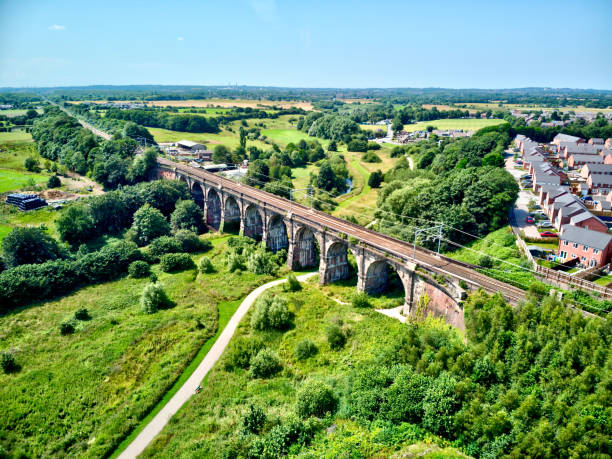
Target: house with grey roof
pixel 590 248
pixel 566 138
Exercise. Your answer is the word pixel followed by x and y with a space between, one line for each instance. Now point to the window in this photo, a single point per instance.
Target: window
pixel 583 259
pixel 586 248
pixel 565 243
pixel 592 263
pixel 563 254
pixel 575 245
pixel 573 255
pixel 595 251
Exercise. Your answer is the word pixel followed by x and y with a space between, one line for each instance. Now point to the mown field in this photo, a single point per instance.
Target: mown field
pixel 210 424
pixel 465 124
pixel 14 136
pixel 79 395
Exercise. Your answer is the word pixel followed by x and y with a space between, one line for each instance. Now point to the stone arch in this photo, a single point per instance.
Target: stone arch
pixel 336 263
pixel 253 223
pixel 231 215
pixel 305 249
pixel 277 234
pixel 197 194
pixel 213 209
pixel 377 277
pixel 181 178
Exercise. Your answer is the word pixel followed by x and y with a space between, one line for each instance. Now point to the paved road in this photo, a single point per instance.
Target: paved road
pixel 187 390
pixel 521 208
pixel 401 249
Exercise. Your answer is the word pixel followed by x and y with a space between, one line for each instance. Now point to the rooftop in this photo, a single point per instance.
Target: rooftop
pixel 586 237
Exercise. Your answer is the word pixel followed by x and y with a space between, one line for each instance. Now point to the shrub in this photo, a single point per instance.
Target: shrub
pixel 205 266
pixel 191 243
pixel 265 364
pixel 139 269
pixel 153 298
pixel 163 245
pixel 361 300
pixel 254 419
pixel 375 179
pixel 24 246
pixel 66 328
pixel 305 349
pixel 75 224
pixel 335 337
pixel 485 261
pixel 371 157
pixel 358 145
pixel 270 312
pixel 54 182
pixel 175 262
pixel 8 363
pixel 262 261
pixel 82 314
pixel 242 350
pixel 374 146
pixel 315 399
pixel 149 223
pixel 31 165
pixel 293 285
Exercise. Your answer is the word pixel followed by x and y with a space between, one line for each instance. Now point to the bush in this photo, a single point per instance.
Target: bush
pixel 176 262
pixel 153 298
pixel 305 349
pixel 361 300
pixel 375 179
pixel 254 419
pixel 139 269
pixel 66 328
pixel 163 245
pixel 24 246
pixel 270 312
pixel 82 314
pixel 241 352
pixel 397 151
pixel 205 266
pixel 187 215
pixel 293 285
pixel 358 145
pixel 262 261
pixel 315 399
pixel 374 146
pixel 265 364
pixel 31 165
pixel 485 261
pixel 335 337
pixel 371 157
pixel 54 182
pixel 8 363
pixel 191 243
pixel 149 223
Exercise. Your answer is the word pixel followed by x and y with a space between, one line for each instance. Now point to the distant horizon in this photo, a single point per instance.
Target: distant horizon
pixel 318 44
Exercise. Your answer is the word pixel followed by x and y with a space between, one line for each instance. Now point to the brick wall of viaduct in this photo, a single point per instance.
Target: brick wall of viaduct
pixel 308 244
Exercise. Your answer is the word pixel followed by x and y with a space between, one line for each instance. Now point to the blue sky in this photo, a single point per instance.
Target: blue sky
pixel 436 43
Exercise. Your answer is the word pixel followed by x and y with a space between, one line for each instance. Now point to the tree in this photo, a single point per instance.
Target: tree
pixel 333 146
pixel 326 180
pixel 397 125
pixel 28 246
pixel 375 179
pixel 149 223
pixel 187 215
pixel 242 137
pixel 315 399
pixel 31 165
pixel 222 155
pixel 265 364
pixel 75 224
pixel 153 298
pixel 258 173
pixel 54 182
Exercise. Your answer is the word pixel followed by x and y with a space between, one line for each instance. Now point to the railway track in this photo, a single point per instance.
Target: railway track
pixel 396 247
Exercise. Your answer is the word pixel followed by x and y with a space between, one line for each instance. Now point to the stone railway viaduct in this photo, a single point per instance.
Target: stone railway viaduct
pixel 431 282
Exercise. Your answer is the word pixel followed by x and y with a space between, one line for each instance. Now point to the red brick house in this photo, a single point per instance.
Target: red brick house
pixel 588 221
pixel 576 160
pixel 591 248
pixel 599 183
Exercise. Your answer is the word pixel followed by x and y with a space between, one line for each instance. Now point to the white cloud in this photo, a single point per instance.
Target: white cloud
pixel 56 27
pixel 264 9
pixel 180 38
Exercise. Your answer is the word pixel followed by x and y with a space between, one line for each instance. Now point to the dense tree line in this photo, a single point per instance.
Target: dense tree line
pixel 61 138
pixel 532 381
pixel 330 126
pixel 160 119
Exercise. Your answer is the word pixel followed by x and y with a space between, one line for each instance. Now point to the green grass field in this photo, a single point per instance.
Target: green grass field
pixel 211 420
pixel 15 136
pixel 79 395
pixel 465 124
pixel 285 136
pixel 12 180
pixel 373 127
pixel 227 138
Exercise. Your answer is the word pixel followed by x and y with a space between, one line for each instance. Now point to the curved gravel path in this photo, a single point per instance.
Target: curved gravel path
pixel 188 389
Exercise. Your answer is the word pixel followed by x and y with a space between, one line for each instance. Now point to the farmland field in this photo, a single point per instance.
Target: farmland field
pixel 227 138
pixel 465 124
pixel 286 136
pixel 13 180
pixel 121 361
pixel 14 136
pixel 373 127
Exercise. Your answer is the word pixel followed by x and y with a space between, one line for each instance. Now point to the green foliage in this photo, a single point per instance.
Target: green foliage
pixel 66 328
pixel 8 362
pixel 187 215
pixel 82 314
pixel 305 349
pixel 375 179
pixel 54 182
pixel 241 351
pixel 270 312
pixel 163 245
pixel 75 224
pixel 336 337
pixel 315 399
pixel 149 223
pixel 361 300
pixel 139 269
pixel 27 246
pixel 205 266
pixel 253 419
pixel 172 262
pixel 245 254
pixel 293 284
pixel 265 364
pixel 358 145
pixel 333 127
pixel 153 298
pixel 371 157
pixel 191 243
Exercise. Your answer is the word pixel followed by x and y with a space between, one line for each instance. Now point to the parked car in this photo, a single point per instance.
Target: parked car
pixel 545 224
pixel 526 176
pixel 529 220
pixel 548 234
